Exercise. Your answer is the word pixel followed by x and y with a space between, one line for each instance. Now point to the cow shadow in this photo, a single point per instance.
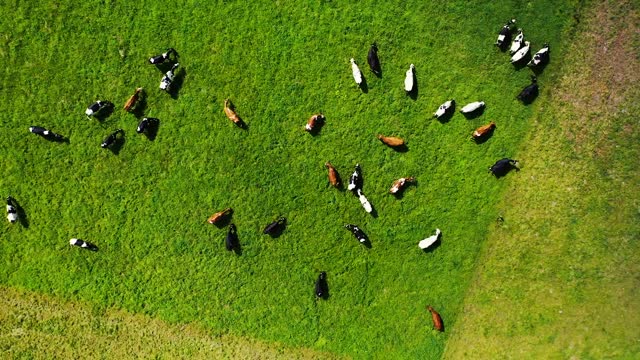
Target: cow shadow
pixel 105 112
pixel 224 221
pixel 56 138
pixel 374 211
pixel 446 117
pixel 413 94
pixel 22 215
pixel 364 87
pixel 237 249
pixel 531 98
pixel 241 124
pixel 539 69
pixel 141 106
pixel 377 72
pixel 316 130
pixel 522 63
pixel 433 246
pixel 278 230
pixel 506 43
pixel 485 138
pixel 117 145
pixel 400 193
pixel 177 83
pixel 91 247
pixel 401 148
pixel 152 130
pixel 325 291
pixel 474 114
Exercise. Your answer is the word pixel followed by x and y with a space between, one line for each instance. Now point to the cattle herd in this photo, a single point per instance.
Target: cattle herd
pixel 519 51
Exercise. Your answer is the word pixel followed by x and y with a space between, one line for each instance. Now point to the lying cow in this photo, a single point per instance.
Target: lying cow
pixel 503 166
pixel 409 79
pixel 12 210
pixel 355 181
pixel 314 123
pixel 159 59
pixel 47 134
pixel 355 70
pixel 505 33
pixel 231 242
pixel 472 107
pixel 529 93
pixel 111 138
pixel 363 200
pixel 219 216
pixel 167 79
pixel 517 42
pixel 437 320
pixel 133 99
pixel 230 111
pixel 334 177
pixel 483 131
pixel 357 232
pixel 444 109
pixel 399 184
pixel 96 107
pixel 146 124
pixel 275 226
pixel 520 54
pixel 424 244
pixel 83 244
pixel 372 59
pixel 541 57
pixel 322 288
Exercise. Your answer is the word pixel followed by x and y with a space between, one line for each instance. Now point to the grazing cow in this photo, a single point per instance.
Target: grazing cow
pixel 529 93
pixel 363 200
pixel 314 123
pixel 355 70
pixel 275 226
pixel 321 288
pixel 95 108
pixel 146 123
pixel 400 183
pixel 230 111
pixel 357 232
pixel 159 59
pixel 372 59
pixel 505 33
pixel 503 166
pixel 355 181
pixel 12 210
pixel 167 79
pixel 111 138
pixel 83 244
pixel 408 79
pixel 541 57
pixel 471 107
pixel 217 217
pixel 520 54
pixel 424 244
pixel 444 108
pixel 334 177
pixel 48 134
pixel 437 320
pixel 231 241
pixel 483 130
pixel 133 99
pixel 391 140
pixel 517 42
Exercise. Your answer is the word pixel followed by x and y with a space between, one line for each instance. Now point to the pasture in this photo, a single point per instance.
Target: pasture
pixel 279 62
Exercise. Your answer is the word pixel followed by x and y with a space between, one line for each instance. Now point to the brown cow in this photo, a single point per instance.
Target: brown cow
pixel 315 122
pixel 437 320
pixel 217 217
pixel 230 111
pixel 391 140
pixel 483 131
pixel 334 177
pixel 400 183
pixel 133 100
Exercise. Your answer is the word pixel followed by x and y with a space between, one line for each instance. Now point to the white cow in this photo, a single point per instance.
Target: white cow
pixel 517 42
pixel 469 108
pixel 424 244
pixel 442 109
pixel 520 53
pixel 363 200
pixel 357 75
pixel 408 80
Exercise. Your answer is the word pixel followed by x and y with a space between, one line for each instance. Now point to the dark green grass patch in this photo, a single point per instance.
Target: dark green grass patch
pixel 146 208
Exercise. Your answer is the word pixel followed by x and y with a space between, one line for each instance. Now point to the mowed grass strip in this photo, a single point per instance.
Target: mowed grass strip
pixel 558 278
pixel 279 62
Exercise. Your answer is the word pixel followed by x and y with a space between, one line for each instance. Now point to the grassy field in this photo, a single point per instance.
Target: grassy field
pixel 146 206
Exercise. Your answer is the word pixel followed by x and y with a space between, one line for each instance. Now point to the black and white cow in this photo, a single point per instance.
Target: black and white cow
pixel 355 181
pixel 503 166
pixel 517 42
pixel 159 59
pixel 96 107
pixel 146 124
pixel 521 54
pixel 83 244
pixel 541 57
pixel 12 210
pixel 372 59
pixel 505 33
pixel 322 288
pixel 231 241
pixel 275 226
pixel 167 79
pixel 529 93
pixel 111 138
pixel 357 232
pixel 48 134
pixel 444 108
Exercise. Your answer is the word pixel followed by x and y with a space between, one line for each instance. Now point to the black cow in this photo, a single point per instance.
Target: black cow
pixel 322 288
pixel 159 59
pixel 529 93
pixel 146 124
pixel 505 34
pixel 12 210
pixel 96 107
pixel 503 166
pixel 372 59
pixel 47 134
pixel 111 139
pixel 83 244
pixel 275 226
pixel 231 242
pixel 355 181
pixel 357 232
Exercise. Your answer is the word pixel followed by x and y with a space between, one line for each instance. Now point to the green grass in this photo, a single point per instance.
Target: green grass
pixel 279 63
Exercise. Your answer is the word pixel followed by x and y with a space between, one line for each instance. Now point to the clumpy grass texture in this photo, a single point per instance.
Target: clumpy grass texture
pixel 279 62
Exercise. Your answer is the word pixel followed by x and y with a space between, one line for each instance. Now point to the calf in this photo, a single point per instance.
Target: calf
pixel 230 111
pixel 505 33
pixel 408 79
pixel 372 59
pixel 334 177
pixel 12 210
pixel 322 288
pixel 355 70
pixel 471 107
pixel 275 226
pixel 424 244
pixel 314 123
pixel 503 166
pixel 483 131
pixel 133 100
pixel 83 244
pixel 111 138
pixel 159 59
pixel 146 124
pixel 399 184
pixel 444 109
pixel 355 181
pixel 517 42
pixel 219 216
pixel 167 79
pixel 541 57
pixel 46 133
pixel 520 54
pixel 357 232
pixel 231 241
pixel 529 93
pixel 95 108
pixel 437 320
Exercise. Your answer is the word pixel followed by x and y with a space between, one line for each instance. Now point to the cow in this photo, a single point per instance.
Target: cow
pixel 231 241
pixel 159 59
pixel 471 107
pixel 505 33
pixel 12 210
pixel 146 124
pixel 355 181
pixel 167 79
pixel 133 100
pixel 408 79
pixel 541 57
pixel 275 227
pixel 219 216
pixel 334 177
pixel 372 59
pixel 95 108
pixel 483 131
pixel 444 109
pixel 517 42
pixel 314 123
pixel 363 200
pixel 424 244
pixel 322 288
pixel 391 141
pixel 357 232
pixel 83 244
pixel 355 70
pixel 437 320
pixel 47 134
pixel 529 93
pixel 111 138
pixel 230 111
pixel 503 166
pixel 520 54
pixel 399 184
